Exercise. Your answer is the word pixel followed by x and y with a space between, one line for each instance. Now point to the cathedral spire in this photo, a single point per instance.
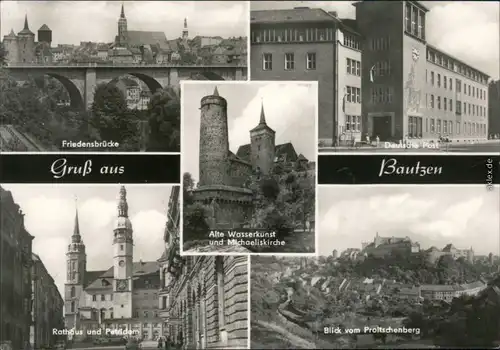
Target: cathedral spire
pixel 122 15
pixel 122 203
pixel 26 22
pixel 262 115
pixel 76 238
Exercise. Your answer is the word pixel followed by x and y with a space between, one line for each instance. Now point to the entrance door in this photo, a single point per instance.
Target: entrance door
pixel 382 128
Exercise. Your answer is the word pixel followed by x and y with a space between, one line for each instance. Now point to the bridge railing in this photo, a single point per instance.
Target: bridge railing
pixel 120 65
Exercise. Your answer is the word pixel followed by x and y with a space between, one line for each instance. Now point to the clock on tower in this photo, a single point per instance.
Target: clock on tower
pixel 121 285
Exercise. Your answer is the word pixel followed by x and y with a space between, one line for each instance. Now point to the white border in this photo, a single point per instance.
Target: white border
pixel 402 153
pixel 314 84
pixel 56 153
pixel 249 303
pixel 249 34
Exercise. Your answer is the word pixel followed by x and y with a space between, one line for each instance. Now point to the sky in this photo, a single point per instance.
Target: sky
pixel 50 216
pixel 290 110
pixel 468 31
pixel 75 21
pixel 467 216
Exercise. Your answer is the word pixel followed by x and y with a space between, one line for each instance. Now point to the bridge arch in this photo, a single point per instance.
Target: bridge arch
pixel 75 96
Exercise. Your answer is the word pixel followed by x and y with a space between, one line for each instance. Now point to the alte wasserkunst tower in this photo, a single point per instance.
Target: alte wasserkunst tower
pixel 224 177
pixel 115 298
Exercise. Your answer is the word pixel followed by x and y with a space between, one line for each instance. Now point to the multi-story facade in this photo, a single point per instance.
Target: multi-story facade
pixel 15 268
pixel 312 44
pixel 447 292
pixel 494 109
pixel 413 90
pixel 204 298
pixel 47 307
pixel 123 297
pixel 171 230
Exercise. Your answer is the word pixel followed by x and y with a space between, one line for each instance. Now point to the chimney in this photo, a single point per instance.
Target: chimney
pixel 333 13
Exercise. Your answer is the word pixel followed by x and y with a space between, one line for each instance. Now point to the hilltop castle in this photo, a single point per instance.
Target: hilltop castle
pixel 385 246
pixel 223 175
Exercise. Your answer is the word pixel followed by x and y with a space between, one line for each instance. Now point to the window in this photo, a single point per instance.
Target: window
pixel 414 127
pixel 445 104
pixel 458 108
pixel 451 105
pixel 439 80
pixel 94 297
pixel 451 84
pixel 432 78
pixel 458 128
pixel 468 90
pixel 439 102
pixel 445 126
pixel 353 123
pixel 311 61
pixel 267 61
pixel 450 126
pixel 146 315
pixel 358 68
pixel 103 297
pixel 458 84
pixel 426 125
pixel 289 61
pixel 444 81
pixel 414 16
pixel 73 293
pixel 439 126
pixel 408 17
pixel 121 247
pixel 72 306
pixel 349 65
pixel 464 106
pixel 432 126
pixel 432 101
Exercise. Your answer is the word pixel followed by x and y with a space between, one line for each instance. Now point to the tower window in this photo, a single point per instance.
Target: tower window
pixel 94 297
pixel 121 247
pixel 72 306
pixel 73 292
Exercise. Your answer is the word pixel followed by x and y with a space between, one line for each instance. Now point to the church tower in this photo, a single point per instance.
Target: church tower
pixel 122 260
pixel 185 33
pixel 11 47
pixel 263 146
pixel 122 29
pixel 75 275
pixel 214 142
pixel 26 40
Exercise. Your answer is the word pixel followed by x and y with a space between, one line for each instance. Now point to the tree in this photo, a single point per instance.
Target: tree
pixel 195 222
pixel 164 121
pixel 111 117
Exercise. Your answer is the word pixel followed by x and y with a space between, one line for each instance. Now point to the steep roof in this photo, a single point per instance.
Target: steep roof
pixel 91 276
pixel 44 28
pixel 11 35
pixel 93 279
pixel 286 150
pixel 298 14
pixel 138 38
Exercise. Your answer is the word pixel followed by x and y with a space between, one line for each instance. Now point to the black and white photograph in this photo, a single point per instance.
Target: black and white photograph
pixel 104 75
pixel 397 267
pixel 101 265
pixel 418 76
pixel 249 167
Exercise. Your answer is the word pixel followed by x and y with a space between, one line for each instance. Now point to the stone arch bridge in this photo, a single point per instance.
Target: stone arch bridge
pixel 81 80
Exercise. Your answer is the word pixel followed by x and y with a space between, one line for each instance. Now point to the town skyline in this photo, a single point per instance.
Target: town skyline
pixel 430 215
pixel 50 217
pixel 464 29
pixel 285 107
pixel 69 20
